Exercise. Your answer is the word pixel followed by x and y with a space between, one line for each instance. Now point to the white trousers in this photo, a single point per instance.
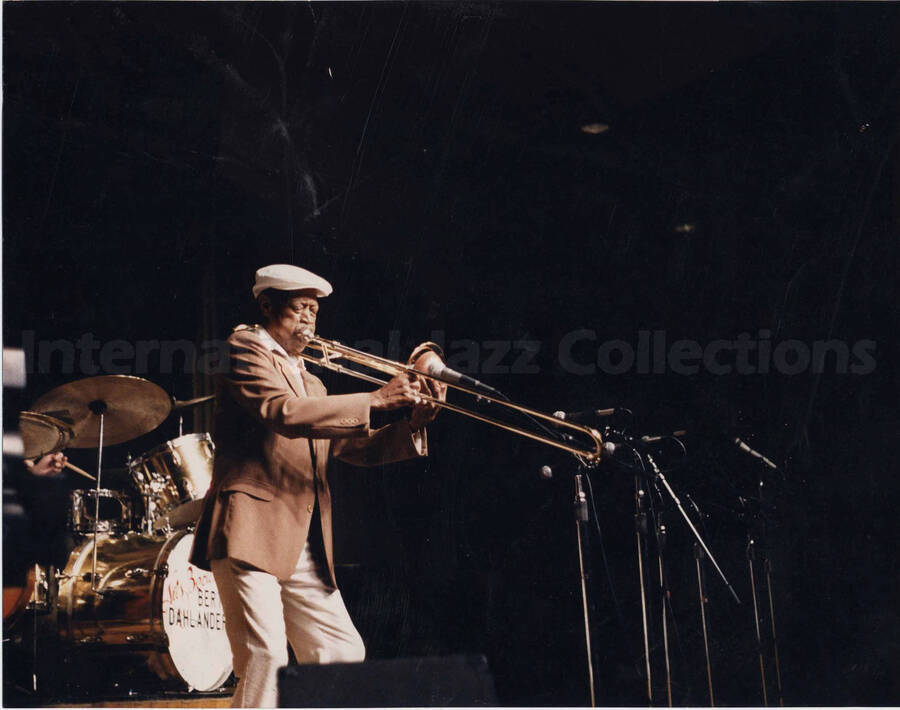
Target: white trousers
pixel 263 614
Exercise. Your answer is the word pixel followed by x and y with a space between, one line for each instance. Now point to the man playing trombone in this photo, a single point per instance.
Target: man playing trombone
pixel 266 530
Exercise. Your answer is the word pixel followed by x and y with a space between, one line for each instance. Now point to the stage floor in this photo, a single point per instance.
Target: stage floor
pixel 188 701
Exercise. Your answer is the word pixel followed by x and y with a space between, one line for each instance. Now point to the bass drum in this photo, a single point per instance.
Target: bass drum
pixel 151 605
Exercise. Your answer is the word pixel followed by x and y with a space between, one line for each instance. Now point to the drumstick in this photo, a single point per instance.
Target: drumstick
pixel 79 470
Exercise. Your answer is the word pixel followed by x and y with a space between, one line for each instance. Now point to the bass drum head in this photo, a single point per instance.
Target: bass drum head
pixel 194 621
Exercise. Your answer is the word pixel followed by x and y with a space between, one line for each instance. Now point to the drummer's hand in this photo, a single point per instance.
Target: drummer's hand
pixel 48 465
pixel 425 412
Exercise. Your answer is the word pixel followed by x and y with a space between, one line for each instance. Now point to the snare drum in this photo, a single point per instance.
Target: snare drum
pixel 175 473
pixel 115 511
pixel 151 606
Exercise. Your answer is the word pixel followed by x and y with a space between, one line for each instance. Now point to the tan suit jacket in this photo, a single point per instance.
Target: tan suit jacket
pixel 273 443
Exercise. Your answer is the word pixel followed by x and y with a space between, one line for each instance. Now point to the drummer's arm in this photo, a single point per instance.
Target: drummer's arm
pixel 49 465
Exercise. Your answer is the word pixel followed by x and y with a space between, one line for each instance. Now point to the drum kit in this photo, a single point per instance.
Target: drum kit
pixel 127 591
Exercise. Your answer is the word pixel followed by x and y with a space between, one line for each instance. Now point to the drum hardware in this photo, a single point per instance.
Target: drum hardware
pixel 184 404
pixel 132 405
pixel 36 595
pixel 87 640
pixel 98 407
pixel 144 638
pixel 112 523
pixel 151 609
pixel 172 479
pixel 118 580
pixel 43 434
pixel 129 406
pixel 149 512
pixel 40 599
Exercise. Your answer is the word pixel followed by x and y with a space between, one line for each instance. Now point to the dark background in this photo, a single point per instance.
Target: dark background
pixel 429 160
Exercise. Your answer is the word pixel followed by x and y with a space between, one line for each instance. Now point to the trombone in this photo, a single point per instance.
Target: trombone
pixel 422 357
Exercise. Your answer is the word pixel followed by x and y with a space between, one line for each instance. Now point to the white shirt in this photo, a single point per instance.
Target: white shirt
pixel 296 363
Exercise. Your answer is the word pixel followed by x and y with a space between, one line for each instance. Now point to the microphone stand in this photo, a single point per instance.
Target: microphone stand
pixel 581 518
pixel 751 558
pixel 657 476
pixel 660 532
pixel 755 551
pixel 698 556
pixel 640 530
pixel 768 568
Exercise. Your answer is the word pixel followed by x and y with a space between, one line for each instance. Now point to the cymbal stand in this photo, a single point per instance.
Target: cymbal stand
pixel 640 530
pixel 581 518
pixel 98 407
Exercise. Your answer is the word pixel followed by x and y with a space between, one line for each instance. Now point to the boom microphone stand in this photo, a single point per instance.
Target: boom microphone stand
pixel 659 475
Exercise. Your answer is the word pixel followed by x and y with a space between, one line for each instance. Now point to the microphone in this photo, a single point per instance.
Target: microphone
pixel 660 437
pixel 581 511
pixel 587 414
pixel 745 447
pixel 440 371
pixel 610 448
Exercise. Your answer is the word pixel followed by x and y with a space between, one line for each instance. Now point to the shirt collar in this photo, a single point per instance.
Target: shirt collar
pixel 274 346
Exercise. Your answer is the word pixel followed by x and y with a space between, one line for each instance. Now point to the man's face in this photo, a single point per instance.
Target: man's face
pixel 294 324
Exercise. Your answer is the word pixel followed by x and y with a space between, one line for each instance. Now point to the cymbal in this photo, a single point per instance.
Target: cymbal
pixel 42 434
pixel 132 406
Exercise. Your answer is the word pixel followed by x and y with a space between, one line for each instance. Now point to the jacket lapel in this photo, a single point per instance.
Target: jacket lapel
pixel 288 375
pixel 313 386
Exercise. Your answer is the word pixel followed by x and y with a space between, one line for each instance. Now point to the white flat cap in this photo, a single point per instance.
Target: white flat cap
pixel 286 277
